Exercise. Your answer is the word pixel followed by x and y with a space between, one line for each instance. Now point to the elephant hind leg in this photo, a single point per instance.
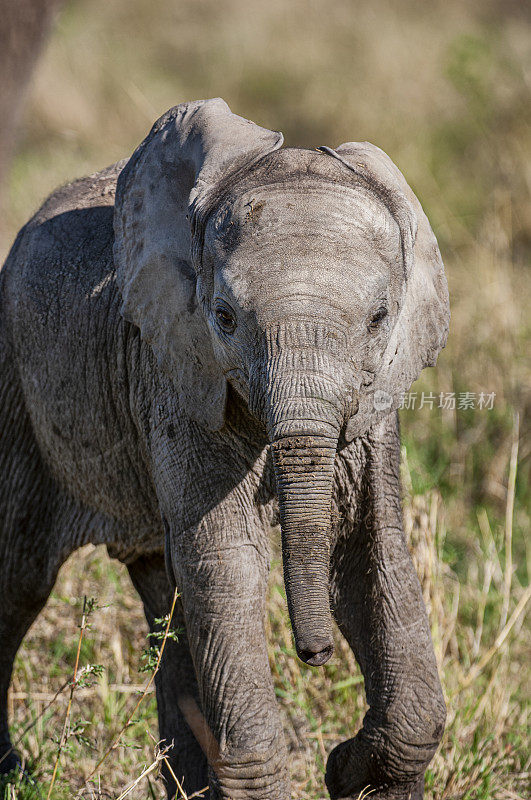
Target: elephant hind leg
pixel 176 683
pixel 29 558
pixel 13 627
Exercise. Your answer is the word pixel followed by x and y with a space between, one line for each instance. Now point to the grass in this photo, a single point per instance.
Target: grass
pixel 484 752
pixel 443 87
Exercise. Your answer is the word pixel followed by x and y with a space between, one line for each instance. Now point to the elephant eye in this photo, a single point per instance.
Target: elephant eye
pixel 225 318
pixel 377 318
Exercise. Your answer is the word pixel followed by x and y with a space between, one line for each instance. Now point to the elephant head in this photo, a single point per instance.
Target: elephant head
pixel 309 280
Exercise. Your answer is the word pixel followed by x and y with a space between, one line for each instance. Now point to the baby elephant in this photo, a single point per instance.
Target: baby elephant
pixel 195 338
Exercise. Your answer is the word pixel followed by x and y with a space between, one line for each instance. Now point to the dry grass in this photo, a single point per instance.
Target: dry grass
pixel 443 87
pixel 483 753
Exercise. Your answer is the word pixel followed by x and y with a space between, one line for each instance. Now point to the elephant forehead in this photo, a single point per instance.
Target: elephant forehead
pixel 308 210
pixel 302 241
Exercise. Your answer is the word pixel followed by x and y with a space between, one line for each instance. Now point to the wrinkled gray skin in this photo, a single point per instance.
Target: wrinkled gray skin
pixel 248 338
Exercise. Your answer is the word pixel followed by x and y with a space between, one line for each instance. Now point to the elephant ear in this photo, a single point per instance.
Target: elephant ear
pixel 190 152
pixel 421 327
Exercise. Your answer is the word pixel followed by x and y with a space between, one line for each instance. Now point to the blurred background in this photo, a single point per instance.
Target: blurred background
pixel 444 88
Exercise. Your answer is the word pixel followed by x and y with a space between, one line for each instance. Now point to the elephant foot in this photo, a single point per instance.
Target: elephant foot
pixel 353 773
pixel 413 792
pixel 12 772
pixel 9 760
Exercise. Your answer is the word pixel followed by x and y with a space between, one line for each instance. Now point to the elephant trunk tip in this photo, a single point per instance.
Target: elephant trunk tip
pixel 316 651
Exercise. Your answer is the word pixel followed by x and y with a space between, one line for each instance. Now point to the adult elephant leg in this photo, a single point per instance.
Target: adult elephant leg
pixel 379 608
pixel 175 682
pixel 221 568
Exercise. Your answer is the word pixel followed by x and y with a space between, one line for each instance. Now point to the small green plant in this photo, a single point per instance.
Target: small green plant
pixel 151 655
pixel 84 678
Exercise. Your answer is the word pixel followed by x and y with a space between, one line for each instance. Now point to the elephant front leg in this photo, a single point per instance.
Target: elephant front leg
pixel 379 608
pixel 221 571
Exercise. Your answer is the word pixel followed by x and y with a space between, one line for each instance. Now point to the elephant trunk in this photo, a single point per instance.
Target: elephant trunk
pixel 304 468
pixel 300 393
